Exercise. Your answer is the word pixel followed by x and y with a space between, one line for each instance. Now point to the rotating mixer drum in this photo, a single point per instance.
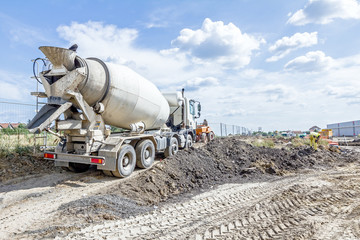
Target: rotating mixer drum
pixel 126 96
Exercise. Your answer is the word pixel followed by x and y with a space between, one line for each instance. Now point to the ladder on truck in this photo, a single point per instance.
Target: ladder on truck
pixel 38 95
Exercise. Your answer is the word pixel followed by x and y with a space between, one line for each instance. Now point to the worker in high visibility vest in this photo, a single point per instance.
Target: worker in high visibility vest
pixel 314 139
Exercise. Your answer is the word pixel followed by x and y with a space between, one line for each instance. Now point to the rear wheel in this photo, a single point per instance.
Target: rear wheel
pixel 211 136
pixel 126 161
pixel 145 154
pixel 189 141
pixel 204 138
pixel 173 148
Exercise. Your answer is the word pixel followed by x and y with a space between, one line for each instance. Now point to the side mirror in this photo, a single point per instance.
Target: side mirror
pixel 199 110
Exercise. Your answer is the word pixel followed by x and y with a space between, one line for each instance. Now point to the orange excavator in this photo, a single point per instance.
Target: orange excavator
pixel 204 133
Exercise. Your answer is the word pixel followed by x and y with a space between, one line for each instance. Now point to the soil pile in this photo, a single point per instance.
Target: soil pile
pixel 108 207
pixel 16 166
pixel 221 161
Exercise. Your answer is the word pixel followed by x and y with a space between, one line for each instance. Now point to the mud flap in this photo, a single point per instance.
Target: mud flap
pixel 46 116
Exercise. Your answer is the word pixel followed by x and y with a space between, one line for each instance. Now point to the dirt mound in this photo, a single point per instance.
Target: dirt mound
pixel 109 207
pixel 17 166
pixel 223 160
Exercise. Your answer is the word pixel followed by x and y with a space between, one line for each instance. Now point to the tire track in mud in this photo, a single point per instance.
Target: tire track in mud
pixel 314 206
pixel 178 220
pixel 301 212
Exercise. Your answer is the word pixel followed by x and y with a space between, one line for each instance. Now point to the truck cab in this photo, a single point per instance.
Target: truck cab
pixel 183 111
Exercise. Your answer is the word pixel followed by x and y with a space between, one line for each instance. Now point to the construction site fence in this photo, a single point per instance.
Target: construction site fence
pixel 15 112
pixel 224 129
pixel 12 113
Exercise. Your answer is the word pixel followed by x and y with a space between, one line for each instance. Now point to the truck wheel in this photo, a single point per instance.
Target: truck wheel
pixel 204 138
pixel 126 161
pixel 189 141
pixel 211 136
pixel 173 148
pixel 145 154
pixel 78 167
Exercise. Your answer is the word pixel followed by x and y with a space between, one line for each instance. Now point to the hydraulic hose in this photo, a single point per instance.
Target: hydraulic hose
pixel 37 79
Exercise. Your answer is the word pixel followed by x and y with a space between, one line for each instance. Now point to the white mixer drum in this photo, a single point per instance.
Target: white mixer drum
pixel 130 98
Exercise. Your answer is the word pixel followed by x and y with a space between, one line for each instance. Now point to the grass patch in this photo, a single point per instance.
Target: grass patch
pixel 298 142
pixel 268 143
pixel 19 144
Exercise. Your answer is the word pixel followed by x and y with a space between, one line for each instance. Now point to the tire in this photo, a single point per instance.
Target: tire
pixel 145 153
pixel 126 161
pixel 189 141
pixel 78 167
pixel 210 136
pixel 173 148
pixel 204 138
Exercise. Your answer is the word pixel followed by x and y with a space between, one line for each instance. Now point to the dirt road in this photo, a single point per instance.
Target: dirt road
pixel 321 205
pixel 34 203
pixel 321 202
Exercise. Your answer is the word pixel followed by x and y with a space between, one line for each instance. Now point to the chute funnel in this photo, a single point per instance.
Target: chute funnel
pixel 62 59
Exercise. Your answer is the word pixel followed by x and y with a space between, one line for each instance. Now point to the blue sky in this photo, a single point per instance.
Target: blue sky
pixel 275 64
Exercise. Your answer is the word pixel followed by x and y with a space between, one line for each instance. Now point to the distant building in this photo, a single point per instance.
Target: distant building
pixel 287 133
pixel 15 125
pixel 314 128
pixel 347 129
pixel 9 125
pixel 5 125
pixel 291 133
pixel 298 133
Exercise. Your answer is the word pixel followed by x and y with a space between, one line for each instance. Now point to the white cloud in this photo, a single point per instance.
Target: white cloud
pixel 353 60
pixel 285 45
pixel 13 86
pixel 235 113
pixel 217 42
pixel 114 44
pixel 19 32
pixel 161 17
pixel 105 37
pixel 277 93
pixel 341 82
pixel 325 11
pixel 350 94
pixel 343 92
pixel 10 91
pixel 311 62
pixel 263 93
pixel 200 83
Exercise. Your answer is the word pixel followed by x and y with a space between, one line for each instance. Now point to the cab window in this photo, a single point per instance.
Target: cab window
pixel 192 108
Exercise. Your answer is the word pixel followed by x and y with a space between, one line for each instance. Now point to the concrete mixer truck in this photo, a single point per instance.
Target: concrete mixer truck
pixel 87 95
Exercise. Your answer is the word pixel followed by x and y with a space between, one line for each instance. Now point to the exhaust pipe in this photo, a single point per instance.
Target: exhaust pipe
pixel 62 59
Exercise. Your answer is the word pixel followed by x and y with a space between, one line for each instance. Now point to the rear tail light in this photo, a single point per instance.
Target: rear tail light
pixel 50 155
pixel 97 160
